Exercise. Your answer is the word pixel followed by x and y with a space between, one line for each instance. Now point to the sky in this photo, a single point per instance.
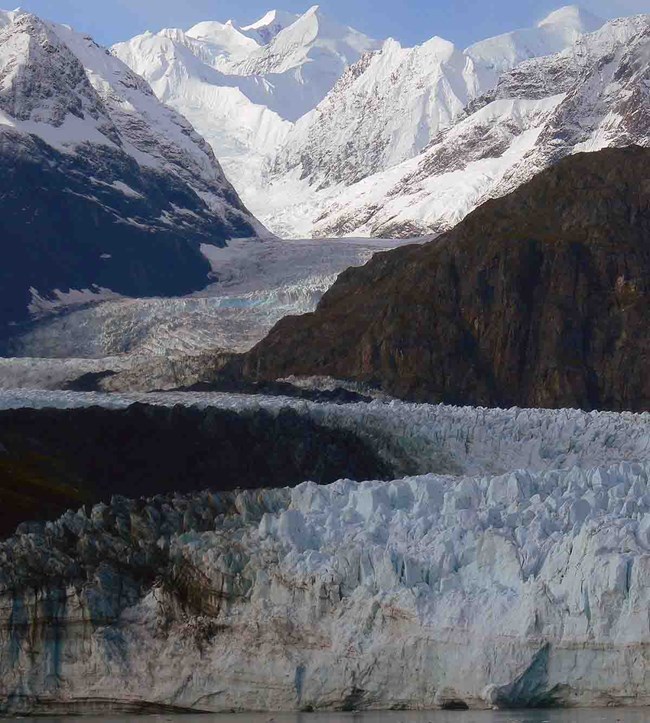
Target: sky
pixel 409 21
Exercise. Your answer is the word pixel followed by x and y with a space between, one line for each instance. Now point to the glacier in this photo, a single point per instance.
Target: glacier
pixel 511 574
pixel 256 284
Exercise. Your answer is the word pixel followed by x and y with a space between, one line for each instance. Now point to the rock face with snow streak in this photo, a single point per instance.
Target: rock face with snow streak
pixel 510 589
pixel 536 299
pixel 105 188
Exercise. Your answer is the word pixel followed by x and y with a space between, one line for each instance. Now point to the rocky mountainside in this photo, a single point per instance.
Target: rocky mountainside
pixel 105 191
pixel 243 87
pixel 591 96
pixel 536 299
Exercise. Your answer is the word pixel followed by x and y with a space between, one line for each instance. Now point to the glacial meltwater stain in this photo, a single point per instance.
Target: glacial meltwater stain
pixel 575 715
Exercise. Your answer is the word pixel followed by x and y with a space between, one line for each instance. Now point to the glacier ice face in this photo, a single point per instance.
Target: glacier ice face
pixel 510 588
pixel 415 439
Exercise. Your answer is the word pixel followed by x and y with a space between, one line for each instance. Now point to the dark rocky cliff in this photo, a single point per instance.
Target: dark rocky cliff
pixel 540 299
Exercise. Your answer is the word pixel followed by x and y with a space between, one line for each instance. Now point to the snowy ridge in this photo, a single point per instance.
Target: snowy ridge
pixel 590 96
pixel 489 585
pixel 82 129
pixel 358 130
pixel 233 113
pixel 312 40
pixel 559 30
pixel 242 88
pixel 310 104
pixel 268 26
pixel 388 107
pixel 326 146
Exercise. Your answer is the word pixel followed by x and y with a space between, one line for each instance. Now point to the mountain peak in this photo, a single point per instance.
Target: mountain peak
pixel 572 16
pixel 227 36
pixel 270 25
pixel 8 17
pixel 272 17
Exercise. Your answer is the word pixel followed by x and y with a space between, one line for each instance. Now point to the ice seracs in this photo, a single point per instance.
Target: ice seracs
pixel 496 587
pixel 258 285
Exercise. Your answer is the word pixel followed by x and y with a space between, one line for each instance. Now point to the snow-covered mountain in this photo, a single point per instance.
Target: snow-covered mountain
pixel 103 187
pixel 243 87
pixel 388 107
pixel 300 108
pixel 552 35
pixel 590 96
pixel 399 106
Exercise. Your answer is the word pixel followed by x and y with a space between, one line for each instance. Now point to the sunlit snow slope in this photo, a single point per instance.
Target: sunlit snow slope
pixel 243 87
pixel 591 96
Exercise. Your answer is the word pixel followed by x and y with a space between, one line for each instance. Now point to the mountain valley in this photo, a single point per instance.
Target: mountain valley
pixel 254 275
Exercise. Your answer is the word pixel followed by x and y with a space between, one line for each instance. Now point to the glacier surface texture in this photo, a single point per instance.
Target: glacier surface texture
pixel 470 580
